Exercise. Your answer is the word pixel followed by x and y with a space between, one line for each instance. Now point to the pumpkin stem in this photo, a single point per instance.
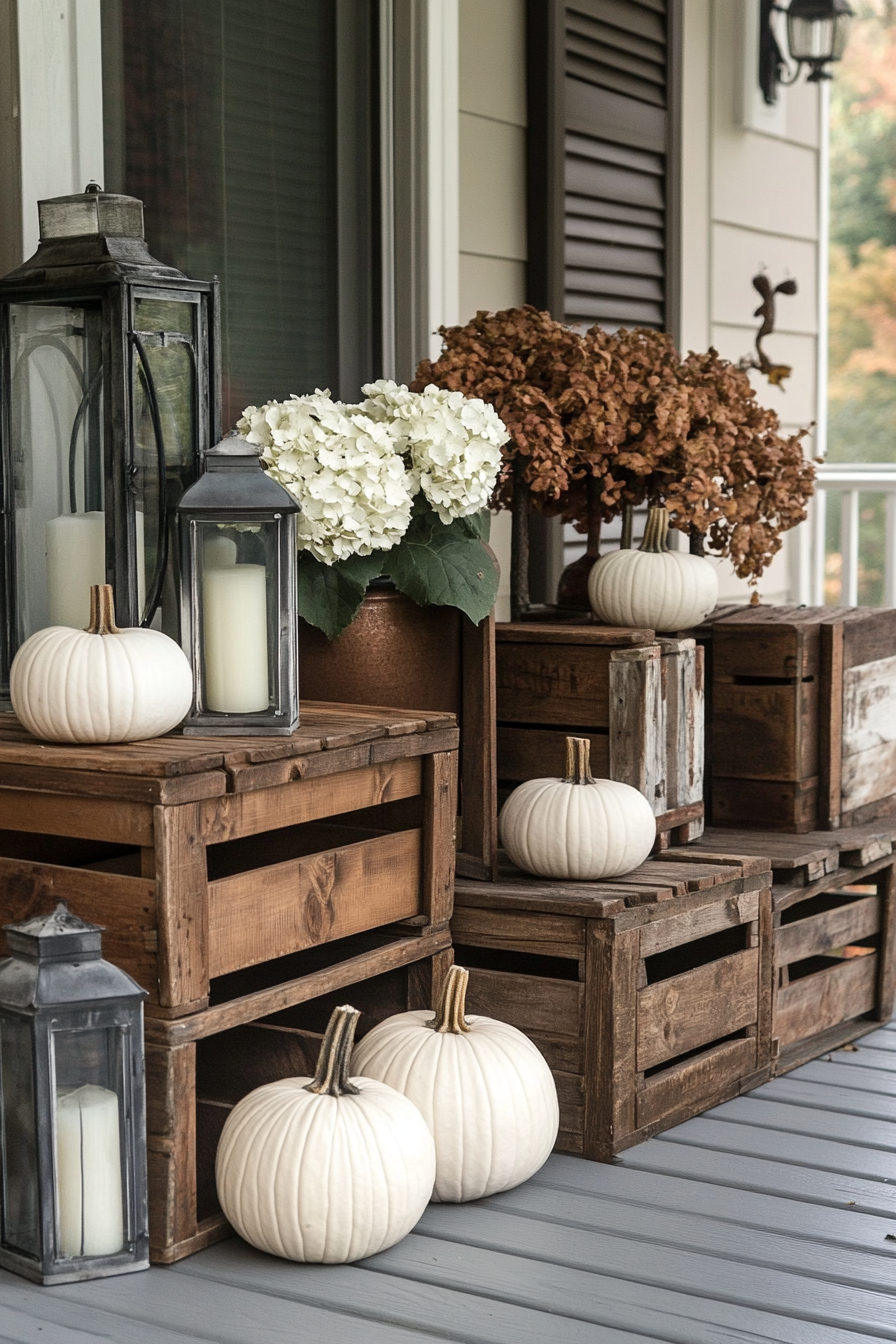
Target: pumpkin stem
pixel 102 610
pixel 335 1053
pixel 578 761
pixel 452 1000
pixel 656 531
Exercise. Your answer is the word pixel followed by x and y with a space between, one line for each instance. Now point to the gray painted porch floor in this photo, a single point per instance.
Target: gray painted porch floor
pixel 772 1217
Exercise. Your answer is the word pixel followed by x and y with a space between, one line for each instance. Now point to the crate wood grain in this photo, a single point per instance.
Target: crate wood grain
pixel 803 717
pixel 650 997
pixel 832 932
pixel 153 870
pixel 638 700
pixel 198 1068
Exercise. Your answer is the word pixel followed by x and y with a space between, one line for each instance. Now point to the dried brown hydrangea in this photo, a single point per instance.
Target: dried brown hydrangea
pixel 625 409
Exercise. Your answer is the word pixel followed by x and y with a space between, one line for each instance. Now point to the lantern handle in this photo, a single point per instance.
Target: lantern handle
pixel 158 578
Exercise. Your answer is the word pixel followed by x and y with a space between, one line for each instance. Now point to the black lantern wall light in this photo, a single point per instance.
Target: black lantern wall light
pixel 108 391
pixel 817 33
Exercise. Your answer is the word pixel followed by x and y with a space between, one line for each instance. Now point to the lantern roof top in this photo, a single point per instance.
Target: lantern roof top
pixel 234 479
pixel 57 961
pixel 59 933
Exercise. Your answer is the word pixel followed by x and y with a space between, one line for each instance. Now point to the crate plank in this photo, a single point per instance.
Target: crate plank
pixel 638 722
pixel 528 1002
pixel 540 753
pixel 553 684
pixel 699 1006
pixel 867 776
pixel 478 851
pixel 439 787
pixel 686 1088
pixel 285 907
pixel 817 934
pixel 823 1000
pixel 684 696
pixel 48 813
pixel 699 922
pixel 610 1037
pixel 770 731
pixel 470 923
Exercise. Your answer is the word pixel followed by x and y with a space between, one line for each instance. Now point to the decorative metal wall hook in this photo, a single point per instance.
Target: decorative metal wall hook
pixel 775 373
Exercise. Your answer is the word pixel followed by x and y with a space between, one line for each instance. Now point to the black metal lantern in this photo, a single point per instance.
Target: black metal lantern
pixel 72 1106
pixel 238 596
pixel 817 34
pixel 108 390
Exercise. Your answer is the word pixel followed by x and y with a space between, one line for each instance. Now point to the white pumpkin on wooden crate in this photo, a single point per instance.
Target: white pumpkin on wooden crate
pixel 101 684
pixel 484 1090
pixel 653 586
pixel 578 828
pixel 329 1169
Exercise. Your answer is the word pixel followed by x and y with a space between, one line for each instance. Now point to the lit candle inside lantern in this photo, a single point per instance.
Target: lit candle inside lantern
pixel 235 637
pixel 88 1172
pixel 76 559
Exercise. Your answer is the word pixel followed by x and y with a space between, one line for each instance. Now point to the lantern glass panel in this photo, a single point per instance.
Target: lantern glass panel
pixel 89 1131
pixel 237 571
pixel 165 442
pixel 18 1136
pixel 56 461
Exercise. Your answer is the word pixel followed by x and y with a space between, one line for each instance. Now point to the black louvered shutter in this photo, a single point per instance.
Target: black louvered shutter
pixel 598 73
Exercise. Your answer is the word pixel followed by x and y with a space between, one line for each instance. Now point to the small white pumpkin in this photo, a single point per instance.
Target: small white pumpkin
pixel 577 828
pixel 101 684
pixel 328 1169
pixel 483 1088
pixel 653 586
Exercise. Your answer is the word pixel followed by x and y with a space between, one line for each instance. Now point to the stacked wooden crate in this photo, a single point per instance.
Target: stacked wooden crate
pixel 832 932
pixel 648 995
pixel 237 880
pixel 638 699
pixel 803 717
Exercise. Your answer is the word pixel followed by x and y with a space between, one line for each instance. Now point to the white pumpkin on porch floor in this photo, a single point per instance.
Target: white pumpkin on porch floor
pixel 483 1088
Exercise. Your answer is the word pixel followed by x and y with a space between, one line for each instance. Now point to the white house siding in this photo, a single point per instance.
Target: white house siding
pixel 749 199
pixel 492 78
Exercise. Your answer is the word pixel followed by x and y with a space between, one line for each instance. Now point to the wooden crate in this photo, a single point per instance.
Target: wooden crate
pixel 638 699
pixel 803 717
pixel 833 893
pixel 198 1067
pixel 201 856
pixel 649 996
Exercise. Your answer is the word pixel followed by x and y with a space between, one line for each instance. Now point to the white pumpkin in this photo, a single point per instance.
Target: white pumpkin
pixel 101 684
pixel 577 828
pixel 482 1087
pixel 327 1169
pixel 653 587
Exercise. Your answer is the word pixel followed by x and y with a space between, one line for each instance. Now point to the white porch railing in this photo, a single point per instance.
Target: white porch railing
pixel 850 480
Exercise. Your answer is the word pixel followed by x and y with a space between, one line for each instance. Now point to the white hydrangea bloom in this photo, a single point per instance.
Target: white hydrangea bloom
pixel 343 468
pixel 454 442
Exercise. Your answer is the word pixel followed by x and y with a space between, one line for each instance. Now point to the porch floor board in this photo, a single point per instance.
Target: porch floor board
pixel 767 1219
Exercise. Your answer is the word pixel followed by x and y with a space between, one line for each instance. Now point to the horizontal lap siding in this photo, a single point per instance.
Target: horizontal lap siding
pixel 615 163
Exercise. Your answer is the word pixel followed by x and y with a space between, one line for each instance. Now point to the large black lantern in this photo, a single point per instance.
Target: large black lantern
pixel 108 390
pixel 238 594
pixel 72 1106
pixel 817 34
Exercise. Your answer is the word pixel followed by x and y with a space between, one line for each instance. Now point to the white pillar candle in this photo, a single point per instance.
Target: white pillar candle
pixel 219 552
pixel 76 560
pixel 235 639
pixel 88 1172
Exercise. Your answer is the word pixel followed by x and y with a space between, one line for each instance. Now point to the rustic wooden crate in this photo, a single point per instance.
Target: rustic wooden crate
pixel 638 699
pixel 198 1067
pixel 649 996
pixel 831 891
pixel 803 717
pixel 201 856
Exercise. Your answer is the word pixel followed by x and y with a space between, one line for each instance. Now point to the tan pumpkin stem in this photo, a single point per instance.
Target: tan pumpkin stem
pixel 578 761
pixel 335 1055
pixel 656 531
pixel 102 610
pixel 452 1001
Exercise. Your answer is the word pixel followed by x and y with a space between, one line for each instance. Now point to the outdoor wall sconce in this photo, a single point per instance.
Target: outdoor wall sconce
pixel 72 1106
pixel 817 33
pixel 238 596
pixel 108 391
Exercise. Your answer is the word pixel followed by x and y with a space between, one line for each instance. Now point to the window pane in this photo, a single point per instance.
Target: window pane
pixel 221 116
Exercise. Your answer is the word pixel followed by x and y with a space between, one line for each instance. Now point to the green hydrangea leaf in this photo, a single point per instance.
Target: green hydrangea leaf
pixel 330 596
pixel 444 566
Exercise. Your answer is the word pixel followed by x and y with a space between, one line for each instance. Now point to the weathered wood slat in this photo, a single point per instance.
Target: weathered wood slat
pixel 683 1089
pixel 698 922
pixel 556 1007
pixel 638 723
pixel 811 937
pixel 268 912
pixel 822 1000
pixel 697 1007
pixel 540 753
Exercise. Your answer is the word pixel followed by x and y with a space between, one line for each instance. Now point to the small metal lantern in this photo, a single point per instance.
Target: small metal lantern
pixel 238 596
pixel 108 389
pixel 72 1106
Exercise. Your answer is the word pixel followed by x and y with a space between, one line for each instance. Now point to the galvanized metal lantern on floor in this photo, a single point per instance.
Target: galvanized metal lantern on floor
pixel 108 390
pixel 238 595
pixel 72 1106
